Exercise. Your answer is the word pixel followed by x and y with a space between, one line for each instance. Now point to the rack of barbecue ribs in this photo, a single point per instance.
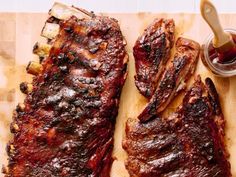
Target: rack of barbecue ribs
pixel 65 125
pixel 188 142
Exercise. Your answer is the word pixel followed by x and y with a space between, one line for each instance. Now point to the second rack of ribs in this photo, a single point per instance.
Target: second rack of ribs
pixel 189 143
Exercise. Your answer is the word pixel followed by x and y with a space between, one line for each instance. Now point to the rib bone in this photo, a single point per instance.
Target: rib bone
pixel 50 30
pixel 41 49
pixel 20 107
pixel 34 68
pixel 26 87
pixel 63 12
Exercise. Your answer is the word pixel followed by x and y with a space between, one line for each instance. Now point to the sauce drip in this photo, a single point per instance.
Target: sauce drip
pixel 224 57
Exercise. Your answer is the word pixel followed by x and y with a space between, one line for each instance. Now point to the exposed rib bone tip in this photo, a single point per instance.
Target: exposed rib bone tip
pixel 41 49
pixel 64 12
pixel 26 87
pixel 50 30
pixel 20 107
pixel 34 68
pixel 16 127
pixel 12 148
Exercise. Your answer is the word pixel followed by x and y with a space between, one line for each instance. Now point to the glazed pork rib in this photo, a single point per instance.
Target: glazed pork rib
pixel 151 52
pixel 65 125
pixel 174 77
pixel 189 143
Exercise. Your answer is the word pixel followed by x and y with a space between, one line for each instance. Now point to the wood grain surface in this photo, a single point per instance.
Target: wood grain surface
pixel 20 31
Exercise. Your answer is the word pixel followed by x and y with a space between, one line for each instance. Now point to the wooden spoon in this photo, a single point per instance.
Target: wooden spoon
pixel 222 40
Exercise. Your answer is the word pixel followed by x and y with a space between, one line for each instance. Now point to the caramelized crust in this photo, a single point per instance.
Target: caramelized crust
pixel 189 143
pixel 151 52
pixel 174 77
pixel 65 126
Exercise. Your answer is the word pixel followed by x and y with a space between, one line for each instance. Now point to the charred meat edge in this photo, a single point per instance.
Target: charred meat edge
pixel 174 77
pixel 151 52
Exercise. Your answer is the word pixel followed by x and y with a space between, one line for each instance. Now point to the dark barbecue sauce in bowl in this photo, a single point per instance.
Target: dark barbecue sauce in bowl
pixel 225 67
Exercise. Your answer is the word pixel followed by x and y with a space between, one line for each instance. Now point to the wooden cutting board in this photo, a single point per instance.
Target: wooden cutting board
pixel 20 31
